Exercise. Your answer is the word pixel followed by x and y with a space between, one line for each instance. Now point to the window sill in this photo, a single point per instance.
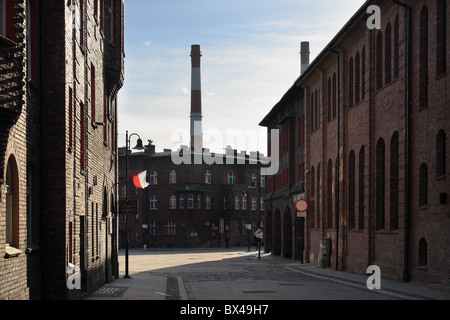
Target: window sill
pixel 11 252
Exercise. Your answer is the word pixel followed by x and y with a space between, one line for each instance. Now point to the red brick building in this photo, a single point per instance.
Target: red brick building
pixel 377 108
pixel 63 63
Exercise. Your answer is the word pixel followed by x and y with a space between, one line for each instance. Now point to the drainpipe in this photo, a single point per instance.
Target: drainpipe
pixel 339 150
pixel 406 275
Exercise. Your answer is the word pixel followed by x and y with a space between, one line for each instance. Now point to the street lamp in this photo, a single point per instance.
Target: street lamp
pixel 139 146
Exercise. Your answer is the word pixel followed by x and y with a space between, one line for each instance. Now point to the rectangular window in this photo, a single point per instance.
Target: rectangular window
pixel 190 201
pixel 172 202
pixel 198 201
pixel 153 228
pixel 181 201
pixel 70 119
pixel 171 228
pixel 236 203
pixel 93 94
pixel 153 203
pixel 82 137
pixel 254 204
pixel 208 202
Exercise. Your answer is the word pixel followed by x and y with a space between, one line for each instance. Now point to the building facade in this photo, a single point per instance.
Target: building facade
pixel 191 205
pixel 285 231
pixel 376 158
pixel 59 162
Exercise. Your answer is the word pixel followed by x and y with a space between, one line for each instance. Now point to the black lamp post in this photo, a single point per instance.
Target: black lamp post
pixel 139 146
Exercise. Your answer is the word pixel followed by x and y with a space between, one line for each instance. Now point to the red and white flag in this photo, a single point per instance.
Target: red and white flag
pixel 140 180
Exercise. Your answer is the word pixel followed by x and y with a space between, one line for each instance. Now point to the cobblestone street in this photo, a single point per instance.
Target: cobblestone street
pixel 238 275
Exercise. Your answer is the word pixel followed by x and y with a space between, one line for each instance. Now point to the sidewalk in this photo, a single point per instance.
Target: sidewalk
pixel 392 288
pixel 145 286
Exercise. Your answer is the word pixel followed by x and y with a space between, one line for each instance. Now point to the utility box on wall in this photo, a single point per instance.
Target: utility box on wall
pixel 324 252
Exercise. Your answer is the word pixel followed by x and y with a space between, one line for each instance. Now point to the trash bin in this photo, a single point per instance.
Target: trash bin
pixel 324 252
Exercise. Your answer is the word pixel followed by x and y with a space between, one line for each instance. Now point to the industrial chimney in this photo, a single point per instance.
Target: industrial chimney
pixel 304 53
pixel 196 101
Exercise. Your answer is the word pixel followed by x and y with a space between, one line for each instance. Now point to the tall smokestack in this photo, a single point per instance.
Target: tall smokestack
pixel 304 52
pixel 196 101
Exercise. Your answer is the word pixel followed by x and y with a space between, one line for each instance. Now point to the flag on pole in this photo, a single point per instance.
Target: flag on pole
pixel 140 180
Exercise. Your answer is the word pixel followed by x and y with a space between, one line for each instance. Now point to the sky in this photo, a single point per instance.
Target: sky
pixel 250 58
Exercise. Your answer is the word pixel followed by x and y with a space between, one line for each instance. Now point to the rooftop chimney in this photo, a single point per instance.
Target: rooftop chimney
pixel 304 52
pixel 196 101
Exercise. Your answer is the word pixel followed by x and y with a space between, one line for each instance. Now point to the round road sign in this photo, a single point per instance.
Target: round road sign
pixel 301 205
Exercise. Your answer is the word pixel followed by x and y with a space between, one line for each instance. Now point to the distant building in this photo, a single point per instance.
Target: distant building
pixel 192 205
pixel 61 68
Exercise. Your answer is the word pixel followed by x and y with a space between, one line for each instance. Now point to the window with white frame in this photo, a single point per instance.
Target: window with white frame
pixel 190 201
pixel 236 202
pixel 208 177
pixel 153 203
pixel 172 177
pixel 153 228
pixel 262 181
pixel 208 202
pixel 244 203
pixel 171 228
pixel 198 201
pixel 262 205
pixel 254 180
pixel 172 202
pixel 254 203
pixel 181 201
pixel 153 178
pixel 231 178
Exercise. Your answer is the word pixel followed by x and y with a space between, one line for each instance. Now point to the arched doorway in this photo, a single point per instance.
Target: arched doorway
pixel 277 233
pixel 287 233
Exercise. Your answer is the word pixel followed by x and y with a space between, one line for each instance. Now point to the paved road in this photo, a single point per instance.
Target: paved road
pixel 232 274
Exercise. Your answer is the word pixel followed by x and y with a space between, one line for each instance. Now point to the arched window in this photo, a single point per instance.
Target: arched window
pixel 334 95
pixel 351 190
pixel 313 197
pixel 423 185
pixel 423 58
pixel 361 190
pixel 393 198
pixel 363 73
pixel 441 37
pixel 357 78
pixel 396 45
pixel 330 193
pixel 441 154
pixel 380 185
pixel 379 60
pixel 12 203
pixel 350 82
pixel 316 109
pixel 318 186
pixel 329 101
pixel 423 253
pixel 172 177
pixel 312 112
pixel 387 55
